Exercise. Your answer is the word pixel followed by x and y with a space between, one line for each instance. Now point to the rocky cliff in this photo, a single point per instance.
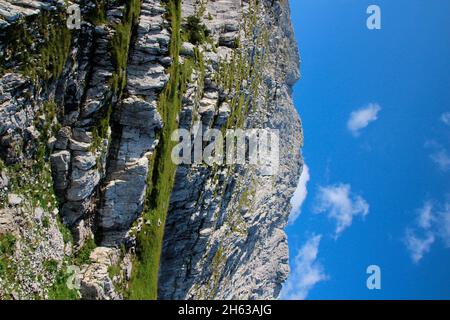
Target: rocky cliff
pixel 92 204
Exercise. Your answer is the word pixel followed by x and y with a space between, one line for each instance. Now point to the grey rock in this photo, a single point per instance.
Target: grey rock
pixel 82 184
pixel 4 181
pixel 62 138
pixel 94 279
pixel 38 214
pixel 84 161
pixel 187 49
pixel 75 145
pixel 245 237
pixel 7 223
pixel 228 39
pixel 14 199
pixel 125 185
pixel 60 166
pixel 82 135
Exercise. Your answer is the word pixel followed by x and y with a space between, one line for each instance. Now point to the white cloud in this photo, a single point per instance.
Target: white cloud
pixel 445 118
pixel 439 154
pixel 444 224
pixel 306 272
pixel 433 222
pixel 361 118
pixel 442 159
pixel 418 246
pixel 299 195
pixel 426 215
pixel 341 204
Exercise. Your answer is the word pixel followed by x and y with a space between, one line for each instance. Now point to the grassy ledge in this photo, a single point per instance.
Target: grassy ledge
pixel 144 281
pixel 44 59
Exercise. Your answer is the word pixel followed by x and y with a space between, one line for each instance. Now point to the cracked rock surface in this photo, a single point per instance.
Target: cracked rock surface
pixel 81 120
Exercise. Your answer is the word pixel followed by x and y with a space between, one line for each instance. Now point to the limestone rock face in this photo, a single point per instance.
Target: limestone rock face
pixel 95 283
pixel 137 120
pixel 224 235
pixel 82 146
pixel 11 11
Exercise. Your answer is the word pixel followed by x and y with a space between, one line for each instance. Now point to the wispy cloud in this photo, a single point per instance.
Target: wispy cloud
pixel 444 224
pixel 439 152
pixel 445 118
pixel 341 205
pixel 418 246
pixel 361 118
pixel 306 273
pixel 425 215
pixel 433 222
pixel 441 158
pixel 299 195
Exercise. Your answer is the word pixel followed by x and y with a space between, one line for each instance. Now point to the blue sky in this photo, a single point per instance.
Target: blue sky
pixel 374 106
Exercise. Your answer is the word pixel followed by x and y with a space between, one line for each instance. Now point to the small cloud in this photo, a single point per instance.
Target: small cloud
pixel 445 118
pixel 439 154
pixel 444 224
pixel 433 222
pixel 306 273
pixel 341 204
pixel 418 246
pixel 299 195
pixel 426 215
pixel 361 118
pixel 442 159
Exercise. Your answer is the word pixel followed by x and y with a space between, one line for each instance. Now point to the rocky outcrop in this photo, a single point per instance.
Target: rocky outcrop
pixel 94 279
pixel 12 11
pixel 86 175
pixel 224 235
pixel 136 123
pixel 79 136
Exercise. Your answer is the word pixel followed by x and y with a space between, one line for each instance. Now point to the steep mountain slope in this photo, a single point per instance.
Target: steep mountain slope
pixel 89 193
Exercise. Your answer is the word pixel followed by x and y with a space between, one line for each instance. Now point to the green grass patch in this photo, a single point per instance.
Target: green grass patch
pixel 65 231
pixel 144 280
pixel 97 15
pixel 83 254
pixel 7 247
pixel 59 290
pixel 7 243
pixel 38 46
pixel 114 270
pixel 120 43
pixel 195 31
pixel 216 267
pixel 46 222
pixel 51 266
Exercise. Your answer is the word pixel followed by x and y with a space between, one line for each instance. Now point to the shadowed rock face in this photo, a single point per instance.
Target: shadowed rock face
pixel 84 135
